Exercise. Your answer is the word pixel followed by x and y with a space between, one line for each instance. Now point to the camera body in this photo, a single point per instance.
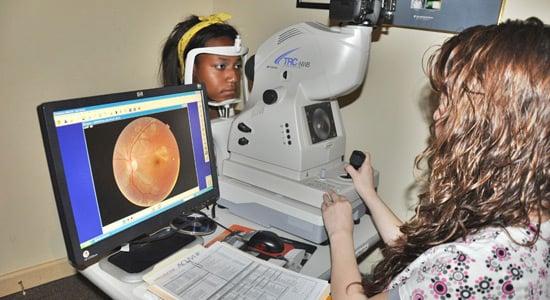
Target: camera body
pixel 368 12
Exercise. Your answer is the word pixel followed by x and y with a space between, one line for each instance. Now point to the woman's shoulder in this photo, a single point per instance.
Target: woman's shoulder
pixel 485 263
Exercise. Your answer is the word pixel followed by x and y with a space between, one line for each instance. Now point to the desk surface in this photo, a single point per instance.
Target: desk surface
pixel 365 236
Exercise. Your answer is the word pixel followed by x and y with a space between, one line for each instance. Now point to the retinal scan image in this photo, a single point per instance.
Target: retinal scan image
pixel 146 161
pixel 140 162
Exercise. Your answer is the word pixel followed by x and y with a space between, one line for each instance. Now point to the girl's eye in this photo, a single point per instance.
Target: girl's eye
pixel 223 66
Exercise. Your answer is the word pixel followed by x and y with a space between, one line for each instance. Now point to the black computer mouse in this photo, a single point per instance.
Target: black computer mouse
pixel 267 241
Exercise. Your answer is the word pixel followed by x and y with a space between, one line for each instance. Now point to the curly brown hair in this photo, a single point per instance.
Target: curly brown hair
pixel 488 164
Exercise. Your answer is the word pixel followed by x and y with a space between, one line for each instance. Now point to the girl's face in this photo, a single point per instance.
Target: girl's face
pixel 221 75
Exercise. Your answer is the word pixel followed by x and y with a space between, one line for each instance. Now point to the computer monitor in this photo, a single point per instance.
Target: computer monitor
pixel 126 164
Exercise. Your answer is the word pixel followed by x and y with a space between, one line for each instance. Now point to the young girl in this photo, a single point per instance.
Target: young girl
pixel 221 75
pixel 481 228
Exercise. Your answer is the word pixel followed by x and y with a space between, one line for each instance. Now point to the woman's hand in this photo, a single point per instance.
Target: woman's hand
pixel 363 179
pixel 336 214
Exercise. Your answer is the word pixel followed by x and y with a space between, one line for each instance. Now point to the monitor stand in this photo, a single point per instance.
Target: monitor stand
pixel 130 266
pixel 196 224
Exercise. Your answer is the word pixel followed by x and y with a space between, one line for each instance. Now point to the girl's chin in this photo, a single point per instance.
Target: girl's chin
pixel 221 99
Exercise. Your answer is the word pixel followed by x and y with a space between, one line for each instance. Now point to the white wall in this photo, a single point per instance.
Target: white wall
pixel 59 49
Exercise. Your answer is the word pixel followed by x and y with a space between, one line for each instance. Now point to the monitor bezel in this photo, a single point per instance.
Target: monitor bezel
pixel 111 244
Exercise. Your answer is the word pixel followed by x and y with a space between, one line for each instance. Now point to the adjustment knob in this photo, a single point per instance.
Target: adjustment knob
pixel 243 127
pixel 270 97
pixel 243 141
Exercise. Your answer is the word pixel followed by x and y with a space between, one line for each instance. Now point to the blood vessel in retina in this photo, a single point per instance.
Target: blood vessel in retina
pixel 146 161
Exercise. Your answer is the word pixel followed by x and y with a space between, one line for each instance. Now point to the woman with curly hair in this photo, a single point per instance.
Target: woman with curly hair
pixel 481 228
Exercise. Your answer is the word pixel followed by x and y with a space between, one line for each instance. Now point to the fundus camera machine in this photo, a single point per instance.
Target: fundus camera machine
pixel 286 148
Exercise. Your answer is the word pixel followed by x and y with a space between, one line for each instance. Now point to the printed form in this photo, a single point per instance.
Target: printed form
pixel 224 272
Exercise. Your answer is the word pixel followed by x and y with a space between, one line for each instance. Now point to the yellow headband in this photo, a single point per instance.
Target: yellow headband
pixel 188 35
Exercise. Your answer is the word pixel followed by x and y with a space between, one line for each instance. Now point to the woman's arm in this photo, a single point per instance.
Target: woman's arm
pixel 345 277
pixel 384 219
pixel 339 224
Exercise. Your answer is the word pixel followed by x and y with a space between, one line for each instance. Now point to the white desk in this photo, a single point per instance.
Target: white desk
pixel 365 235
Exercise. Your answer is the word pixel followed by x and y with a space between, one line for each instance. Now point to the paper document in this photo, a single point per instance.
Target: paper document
pixel 224 272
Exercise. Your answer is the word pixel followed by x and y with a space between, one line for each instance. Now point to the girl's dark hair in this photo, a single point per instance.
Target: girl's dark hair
pixel 169 67
pixel 489 164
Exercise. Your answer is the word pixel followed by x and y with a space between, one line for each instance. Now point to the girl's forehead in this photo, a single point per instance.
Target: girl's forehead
pixel 222 58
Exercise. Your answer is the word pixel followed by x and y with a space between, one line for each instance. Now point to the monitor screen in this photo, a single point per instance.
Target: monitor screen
pixel 126 164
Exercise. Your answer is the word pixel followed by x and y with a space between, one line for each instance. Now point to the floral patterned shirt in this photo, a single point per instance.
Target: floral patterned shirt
pixel 485 265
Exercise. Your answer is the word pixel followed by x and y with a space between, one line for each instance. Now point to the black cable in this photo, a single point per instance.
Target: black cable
pixel 219 224
pixel 161 234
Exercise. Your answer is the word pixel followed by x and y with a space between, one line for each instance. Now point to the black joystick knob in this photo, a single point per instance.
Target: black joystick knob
pixel 356 159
